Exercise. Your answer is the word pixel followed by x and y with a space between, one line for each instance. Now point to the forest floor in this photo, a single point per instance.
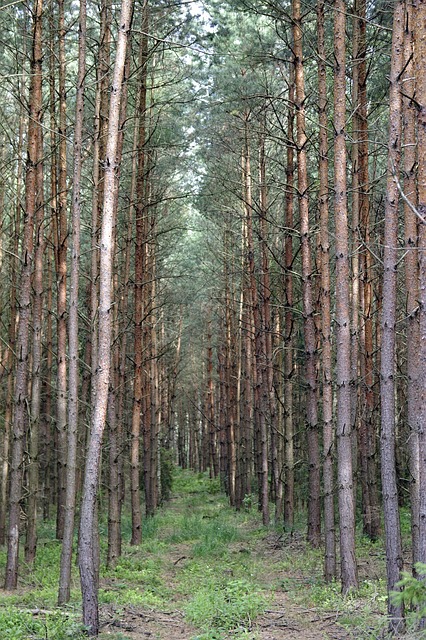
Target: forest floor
pixel 203 572
pixel 224 576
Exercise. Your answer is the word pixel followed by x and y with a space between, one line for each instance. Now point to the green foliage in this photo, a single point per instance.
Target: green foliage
pixel 413 590
pixel 225 608
pixel 21 625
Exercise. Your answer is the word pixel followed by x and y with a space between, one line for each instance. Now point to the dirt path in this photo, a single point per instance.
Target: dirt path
pixel 282 620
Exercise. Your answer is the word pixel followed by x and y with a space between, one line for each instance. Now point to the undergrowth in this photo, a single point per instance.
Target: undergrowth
pixel 201 557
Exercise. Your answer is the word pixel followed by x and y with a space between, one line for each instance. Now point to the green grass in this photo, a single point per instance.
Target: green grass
pixel 200 556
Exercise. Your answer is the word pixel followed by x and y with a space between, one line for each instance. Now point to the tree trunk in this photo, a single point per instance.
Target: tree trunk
pixel 419 18
pixel 24 300
pixel 140 242
pixel 35 409
pixel 343 339
pixel 88 532
pixel 411 278
pixel 394 557
pixel 71 460
pixel 314 504
pixel 289 319
pixel 61 244
pixel 327 391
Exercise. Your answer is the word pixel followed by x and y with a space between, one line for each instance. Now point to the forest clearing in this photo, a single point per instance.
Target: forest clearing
pixel 204 572
pixel 213 259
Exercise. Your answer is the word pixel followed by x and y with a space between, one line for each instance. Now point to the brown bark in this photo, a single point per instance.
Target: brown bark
pixel 61 243
pixel 258 373
pixel 88 532
pixel 327 390
pixel 289 319
pixel 10 358
pixel 411 277
pixel 24 301
pixel 314 505
pixel 419 17
pixel 140 242
pixel 394 557
pixel 349 576
pixel 36 359
pixel 73 400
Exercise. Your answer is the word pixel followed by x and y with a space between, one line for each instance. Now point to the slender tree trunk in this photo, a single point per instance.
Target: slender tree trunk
pixel 35 409
pixel 394 557
pixel 419 30
pixel 61 272
pixel 289 319
pixel 88 532
pixel 24 301
pixel 411 277
pixel 70 494
pixel 140 241
pixel 327 390
pixel 343 362
pixel 14 250
pixel 268 403
pixel 258 380
pixel 314 504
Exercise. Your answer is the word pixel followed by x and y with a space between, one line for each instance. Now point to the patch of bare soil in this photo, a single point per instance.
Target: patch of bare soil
pixel 285 620
pixel 140 624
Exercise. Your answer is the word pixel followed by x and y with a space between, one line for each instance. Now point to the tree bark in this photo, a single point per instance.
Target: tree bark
pixel 349 576
pixel 73 404
pixel 88 532
pixel 394 557
pixel 24 300
pixel 314 504
pixel 327 390
pixel 419 18
pixel 411 277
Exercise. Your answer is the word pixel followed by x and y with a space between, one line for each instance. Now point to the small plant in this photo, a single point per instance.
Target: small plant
pixel 21 625
pixel 413 591
pixel 225 608
pixel 248 502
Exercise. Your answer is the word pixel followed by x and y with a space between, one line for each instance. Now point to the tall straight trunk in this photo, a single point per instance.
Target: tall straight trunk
pixel 230 376
pixel 114 489
pixel 36 360
pixel 327 390
pixel 289 318
pixel 394 557
pixel 88 532
pixel 10 361
pixel 419 21
pixel 115 398
pixel 24 300
pixel 411 277
pixel 51 434
pixel 140 242
pixel 314 502
pixel 61 274
pixel 246 396
pixel 258 380
pixel 366 435
pixel 99 137
pixel 349 576
pixel 73 405
pixel 268 392
pixel 154 411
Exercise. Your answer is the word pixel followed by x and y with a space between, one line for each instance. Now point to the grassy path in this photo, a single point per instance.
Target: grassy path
pixel 203 572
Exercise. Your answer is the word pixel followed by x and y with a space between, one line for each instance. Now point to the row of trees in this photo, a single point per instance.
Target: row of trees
pixel 167 271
